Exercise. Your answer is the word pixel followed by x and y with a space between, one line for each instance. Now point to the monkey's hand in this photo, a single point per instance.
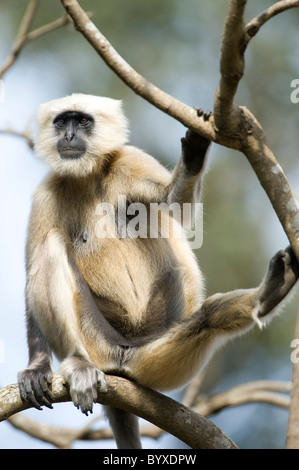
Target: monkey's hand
pixel 194 147
pixel 35 385
pixel 282 275
pixel 83 379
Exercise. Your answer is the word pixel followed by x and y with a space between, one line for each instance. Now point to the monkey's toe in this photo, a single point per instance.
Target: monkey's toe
pixel 35 387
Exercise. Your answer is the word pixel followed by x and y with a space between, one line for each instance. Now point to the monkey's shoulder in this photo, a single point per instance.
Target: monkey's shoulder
pixel 138 164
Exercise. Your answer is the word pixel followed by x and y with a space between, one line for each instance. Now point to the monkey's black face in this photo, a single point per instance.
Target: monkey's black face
pixel 73 129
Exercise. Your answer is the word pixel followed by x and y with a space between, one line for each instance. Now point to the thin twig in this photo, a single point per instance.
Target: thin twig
pixel 193 390
pixel 24 135
pixel 252 392
pixel 252 28
pixel 24 36
pixel 47 28
pixel 21 36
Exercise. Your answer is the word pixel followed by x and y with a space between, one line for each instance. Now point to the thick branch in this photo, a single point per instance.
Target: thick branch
pixel 231 68
pixel 63 438
pixel 253 27
pixel 173 417
pixel 272 179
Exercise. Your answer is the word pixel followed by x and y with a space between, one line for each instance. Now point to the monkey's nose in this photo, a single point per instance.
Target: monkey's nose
pixel 69 135
pixel 69 132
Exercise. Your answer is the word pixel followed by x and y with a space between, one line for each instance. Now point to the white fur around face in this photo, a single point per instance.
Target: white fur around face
pixel 110 131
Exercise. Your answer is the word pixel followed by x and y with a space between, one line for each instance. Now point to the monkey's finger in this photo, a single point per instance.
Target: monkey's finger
pixel 38 393
pixel 28 394
pixel 22 389
pixel 26 390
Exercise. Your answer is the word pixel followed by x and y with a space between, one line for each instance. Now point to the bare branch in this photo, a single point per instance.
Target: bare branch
pixel 251 392
pixel 253 27
pixel 24 135
pixel 166 103
pixel 173 417
pixel 26 22
pixel 193 390
pixel 231 68
pixel 47 28
pixel 21 37
pixel 24 36
pixel 272 179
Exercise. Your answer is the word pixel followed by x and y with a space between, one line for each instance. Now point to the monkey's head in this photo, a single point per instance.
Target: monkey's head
pixel 76 131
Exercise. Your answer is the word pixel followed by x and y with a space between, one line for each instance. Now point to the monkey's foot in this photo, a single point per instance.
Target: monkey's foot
pixel 35 386
pixel 83 380
pixel 282 275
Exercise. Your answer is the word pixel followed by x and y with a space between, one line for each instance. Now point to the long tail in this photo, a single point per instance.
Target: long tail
pixel 125 428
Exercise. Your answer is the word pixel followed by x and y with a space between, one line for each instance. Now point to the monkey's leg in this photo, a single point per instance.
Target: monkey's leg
pixel 173 359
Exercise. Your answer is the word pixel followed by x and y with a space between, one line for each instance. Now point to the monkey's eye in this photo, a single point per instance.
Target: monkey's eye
pixel 84 122
pixel 59 123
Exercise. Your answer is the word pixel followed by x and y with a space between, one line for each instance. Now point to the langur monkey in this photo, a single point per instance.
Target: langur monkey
pixel 105 303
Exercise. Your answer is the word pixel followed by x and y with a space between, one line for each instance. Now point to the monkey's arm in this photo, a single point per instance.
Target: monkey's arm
pixel 35 381
pixel 54 296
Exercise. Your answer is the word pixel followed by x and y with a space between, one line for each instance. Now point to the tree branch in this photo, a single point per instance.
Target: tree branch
pixel 173 417
pixel 253 27
pixel 226 115
pixel 251 392
pixel 24 135
pixel 166 103
pixel 274 182
pixel 235 126
pixel 21 37
pixel 24 36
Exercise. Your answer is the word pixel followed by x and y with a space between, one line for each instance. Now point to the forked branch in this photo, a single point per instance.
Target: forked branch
pixel 232 126
pixel 253 27
pixel 24 35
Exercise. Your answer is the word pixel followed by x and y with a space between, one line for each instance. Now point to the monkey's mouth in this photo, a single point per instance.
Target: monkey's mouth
pixel 71 153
